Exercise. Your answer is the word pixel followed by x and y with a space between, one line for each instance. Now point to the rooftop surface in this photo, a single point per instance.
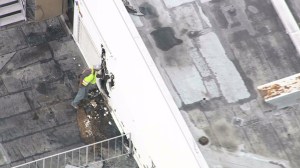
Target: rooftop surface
pixel 213 55
pixel 38 80
pixel 39 65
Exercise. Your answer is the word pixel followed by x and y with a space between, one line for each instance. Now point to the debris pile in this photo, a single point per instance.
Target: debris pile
pixel 87 125
pixel 94 118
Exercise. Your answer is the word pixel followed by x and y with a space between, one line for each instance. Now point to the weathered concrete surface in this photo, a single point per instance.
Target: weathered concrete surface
pixel 40 32
pixel 35 91
pixel 247 47
pixel 14 37
pixel 216 58
pixel 13 104
pixel 39 65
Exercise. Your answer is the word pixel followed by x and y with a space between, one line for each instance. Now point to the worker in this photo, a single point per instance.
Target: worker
pixel 87 79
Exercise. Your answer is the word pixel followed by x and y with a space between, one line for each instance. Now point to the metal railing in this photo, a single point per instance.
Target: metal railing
pixel 85 155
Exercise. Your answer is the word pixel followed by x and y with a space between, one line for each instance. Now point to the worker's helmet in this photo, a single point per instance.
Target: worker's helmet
pixel 97 67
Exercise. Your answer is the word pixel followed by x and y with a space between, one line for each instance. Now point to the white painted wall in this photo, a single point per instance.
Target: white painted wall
pixel 141 100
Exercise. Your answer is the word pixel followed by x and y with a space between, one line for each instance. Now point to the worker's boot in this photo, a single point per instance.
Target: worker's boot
pixel 74 105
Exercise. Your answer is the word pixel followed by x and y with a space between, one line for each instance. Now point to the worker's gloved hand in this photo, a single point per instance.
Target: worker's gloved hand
pixel 98 76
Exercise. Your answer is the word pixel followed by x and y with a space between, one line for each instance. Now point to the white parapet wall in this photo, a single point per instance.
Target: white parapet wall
pixel 283 92
pixel 288 21
pixel 141 102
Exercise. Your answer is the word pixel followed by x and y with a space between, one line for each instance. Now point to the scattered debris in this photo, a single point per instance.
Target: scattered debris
pixel 94 119
pixel 93 103
pixel 131 10
pixel 88 129
pixel 85 129
pixel 93 116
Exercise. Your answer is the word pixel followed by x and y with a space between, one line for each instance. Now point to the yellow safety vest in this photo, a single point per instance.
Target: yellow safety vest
pixel 91 79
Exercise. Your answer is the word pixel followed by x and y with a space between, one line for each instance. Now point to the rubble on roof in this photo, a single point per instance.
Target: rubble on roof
pixel 94 119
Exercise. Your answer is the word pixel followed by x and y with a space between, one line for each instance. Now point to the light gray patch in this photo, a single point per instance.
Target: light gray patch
pixel 226 135
pixel 252 9
pixel 198 118
pixel 248 82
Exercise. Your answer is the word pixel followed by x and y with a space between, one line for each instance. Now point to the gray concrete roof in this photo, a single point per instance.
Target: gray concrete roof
pixel 38 79
pixel 213 55
pixel 211 59
pixel 39 65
